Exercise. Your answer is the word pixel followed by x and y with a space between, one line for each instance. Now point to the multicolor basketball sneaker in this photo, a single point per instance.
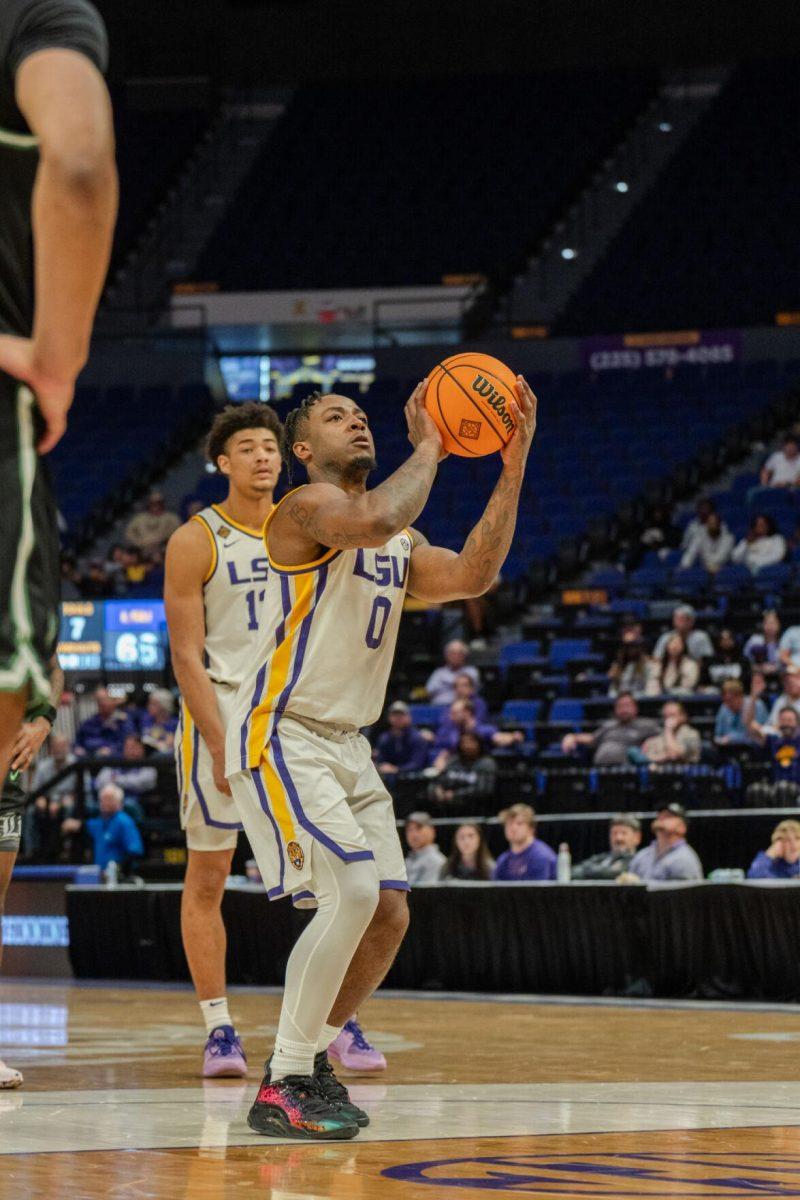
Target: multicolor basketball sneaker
pixel 295 1107
pixel 354 1052
pixel 224 1057
pixel 335 1092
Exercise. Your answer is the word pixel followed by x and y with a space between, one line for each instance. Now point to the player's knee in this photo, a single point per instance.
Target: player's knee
pixel 392 913
pixel 362 891
pixel 205 881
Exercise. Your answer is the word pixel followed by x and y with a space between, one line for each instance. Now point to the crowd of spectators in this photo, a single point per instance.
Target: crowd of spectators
pixel 133 566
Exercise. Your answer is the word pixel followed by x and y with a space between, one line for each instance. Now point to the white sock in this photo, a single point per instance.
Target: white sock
pixel 291 1058
pixel 329 1034
pixel 215 1013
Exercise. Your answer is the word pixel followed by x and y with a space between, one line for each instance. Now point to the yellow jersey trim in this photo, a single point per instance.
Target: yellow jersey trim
pixel 214 551
pixel 294 568
pixel 280 666
pixel 256 533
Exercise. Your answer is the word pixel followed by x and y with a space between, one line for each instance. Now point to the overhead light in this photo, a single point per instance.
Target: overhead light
pixel 665 127
pixel 568 252
pixel 620 186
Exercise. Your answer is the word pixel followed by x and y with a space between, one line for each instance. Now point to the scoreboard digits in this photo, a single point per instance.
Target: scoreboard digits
pixel 112 635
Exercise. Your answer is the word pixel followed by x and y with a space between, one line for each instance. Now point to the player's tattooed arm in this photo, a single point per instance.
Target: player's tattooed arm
pixel 323 515
pixel 438 574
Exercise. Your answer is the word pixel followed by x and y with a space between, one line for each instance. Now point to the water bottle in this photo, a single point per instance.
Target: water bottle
pixel 564 864
pixel 112 874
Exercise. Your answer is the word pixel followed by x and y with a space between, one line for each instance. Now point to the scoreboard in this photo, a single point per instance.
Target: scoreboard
pixel 100 636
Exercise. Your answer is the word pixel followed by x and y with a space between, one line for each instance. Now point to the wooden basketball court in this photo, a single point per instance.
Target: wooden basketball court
pixel 543 1099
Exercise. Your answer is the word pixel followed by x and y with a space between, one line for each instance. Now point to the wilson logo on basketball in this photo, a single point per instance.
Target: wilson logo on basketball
pixel 296 856
pixel 494 399
pixel 470 429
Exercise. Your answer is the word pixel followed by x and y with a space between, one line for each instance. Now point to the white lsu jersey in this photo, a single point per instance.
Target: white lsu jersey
pixel 326 647
pixel 234 594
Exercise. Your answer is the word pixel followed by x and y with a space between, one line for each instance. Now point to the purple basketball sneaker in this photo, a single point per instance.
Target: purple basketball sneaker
pixel 223 1057
pixel 354 1052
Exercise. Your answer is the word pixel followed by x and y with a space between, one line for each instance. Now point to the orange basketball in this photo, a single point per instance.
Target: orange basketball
pixel 469 397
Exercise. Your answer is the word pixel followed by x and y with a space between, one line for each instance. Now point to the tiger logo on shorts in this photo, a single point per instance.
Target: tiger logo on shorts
pixel 296 856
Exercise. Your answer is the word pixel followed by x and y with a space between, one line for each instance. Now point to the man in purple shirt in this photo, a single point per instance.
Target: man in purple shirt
pixel 401 747
pixel 527 858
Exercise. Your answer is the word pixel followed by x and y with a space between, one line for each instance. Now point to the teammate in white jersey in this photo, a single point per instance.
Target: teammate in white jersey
pixel 216 575
pixel 316 812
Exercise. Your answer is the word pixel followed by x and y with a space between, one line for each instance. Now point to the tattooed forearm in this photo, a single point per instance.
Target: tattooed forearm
pixel 401 497
pixel 488 544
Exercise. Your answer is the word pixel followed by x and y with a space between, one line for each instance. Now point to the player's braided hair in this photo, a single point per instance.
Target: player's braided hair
pixel 293 428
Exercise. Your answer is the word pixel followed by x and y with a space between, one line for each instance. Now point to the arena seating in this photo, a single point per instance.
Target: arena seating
pixel 713 243
pixel 152 147
pixel 360 182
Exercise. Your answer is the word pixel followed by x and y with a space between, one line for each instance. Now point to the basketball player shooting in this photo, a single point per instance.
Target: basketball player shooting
pixel 58 204
pixel 318 817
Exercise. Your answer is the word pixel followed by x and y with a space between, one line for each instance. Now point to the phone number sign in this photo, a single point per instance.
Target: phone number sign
pixel 638 351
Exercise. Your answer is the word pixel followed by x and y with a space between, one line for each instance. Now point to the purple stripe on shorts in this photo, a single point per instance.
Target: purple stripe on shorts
pixel 303 820
pixel 209 820
pixel 395 885
pixel 264 801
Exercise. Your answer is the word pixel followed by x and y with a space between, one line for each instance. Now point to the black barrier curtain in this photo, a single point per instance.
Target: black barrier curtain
pixel 708 941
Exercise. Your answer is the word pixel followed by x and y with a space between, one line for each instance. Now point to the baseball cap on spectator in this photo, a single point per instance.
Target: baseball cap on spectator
pixel 399 706
pixel 685 610
pixel 626 819
pixel 676 809
pixel 419 818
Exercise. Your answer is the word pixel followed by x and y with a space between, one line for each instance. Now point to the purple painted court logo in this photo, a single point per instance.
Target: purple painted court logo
pixel 672 1175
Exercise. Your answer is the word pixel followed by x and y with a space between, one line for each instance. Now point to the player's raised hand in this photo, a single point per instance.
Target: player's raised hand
pixel 421 427
pixel 523 409
pixel 53 396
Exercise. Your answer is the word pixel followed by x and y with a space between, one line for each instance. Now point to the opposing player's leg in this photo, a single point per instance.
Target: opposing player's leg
pixel 29 551
pixel 212 828
pixel 12 801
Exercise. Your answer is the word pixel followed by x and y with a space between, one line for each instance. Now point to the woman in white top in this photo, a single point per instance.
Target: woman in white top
pixel 763 546
pixel 677 673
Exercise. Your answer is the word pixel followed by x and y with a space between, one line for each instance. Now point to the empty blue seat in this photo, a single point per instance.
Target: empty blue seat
pixel 427 714
pixel 566 712
pixel 565 650
pixel 525 653
pixel 524 712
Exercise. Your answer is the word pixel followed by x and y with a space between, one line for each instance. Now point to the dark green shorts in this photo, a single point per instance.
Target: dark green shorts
pixel 29 549
pixel 12 803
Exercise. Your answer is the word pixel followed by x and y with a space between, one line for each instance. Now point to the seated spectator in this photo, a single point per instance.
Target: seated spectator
pixel 614 738
pixel 669 856
pixel 660 532
pixel 42 822
pixel 136 779
pixel 735 714
pixel 702 511
pixel 674 671
pixel 105 732
pixel 789 647
pixel 70 578
pixel 782 468
pixel 678 741
pixel 158 722
pixel 465 689
pixel 115 836
pixel 441 686
pixel 135 566
pixel 763 650
pixel 94 583
pixel 632 668
pixel 401 747
pixel 624 838
pixel 727 662
pixel 461 718
pixel 114 567
pixel 470 858
pixel 48 766
pixel 151 529
pixel 425 861
pixel 526 858
pixel 782 860
pixel 789 697
pixel 763 546
pixel 698 643
pixel 782 743
pixel 468 775
pixel 711 547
